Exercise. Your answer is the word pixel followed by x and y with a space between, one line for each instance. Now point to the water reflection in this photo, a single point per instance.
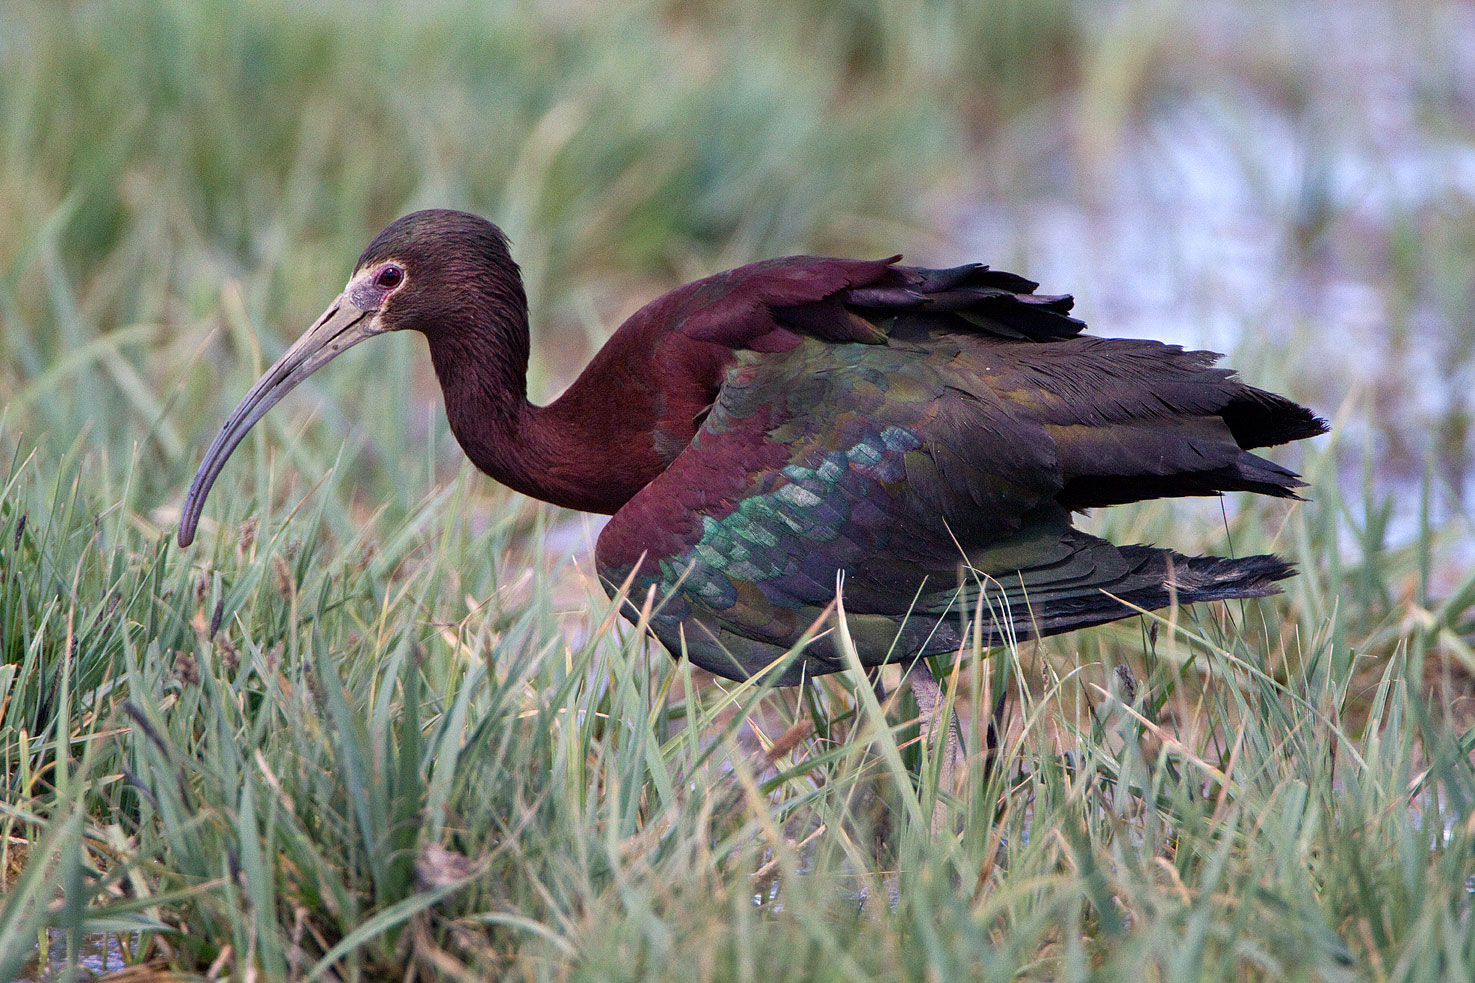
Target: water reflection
pixel 99 953
pixel 1297 189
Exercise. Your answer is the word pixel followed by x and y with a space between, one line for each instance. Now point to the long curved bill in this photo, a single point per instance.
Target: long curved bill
pixel 341 327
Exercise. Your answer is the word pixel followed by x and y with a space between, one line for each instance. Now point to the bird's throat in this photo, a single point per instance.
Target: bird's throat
pixel 587 452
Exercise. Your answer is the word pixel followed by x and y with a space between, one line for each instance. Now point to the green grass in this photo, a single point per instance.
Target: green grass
pixel 1265 802
pixel 380 723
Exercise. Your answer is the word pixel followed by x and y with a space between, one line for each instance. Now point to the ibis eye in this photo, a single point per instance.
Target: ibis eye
pixel 389 277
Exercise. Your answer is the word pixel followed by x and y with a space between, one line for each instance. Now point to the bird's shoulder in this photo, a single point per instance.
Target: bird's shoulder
pixel 841 448
pixel 770 305
pixel 855 382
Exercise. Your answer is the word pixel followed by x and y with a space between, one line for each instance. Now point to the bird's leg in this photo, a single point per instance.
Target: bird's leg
pixel 878 684
pixel 930 705
pixel 993 735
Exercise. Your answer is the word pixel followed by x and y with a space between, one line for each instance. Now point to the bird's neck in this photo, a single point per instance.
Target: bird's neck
pixel 589 450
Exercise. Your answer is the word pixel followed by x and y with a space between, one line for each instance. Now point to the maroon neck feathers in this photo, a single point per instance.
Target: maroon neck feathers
pixel 593 448
pixel 590 450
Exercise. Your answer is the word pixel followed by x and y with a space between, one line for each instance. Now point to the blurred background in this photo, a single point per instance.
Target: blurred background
pixel 185 184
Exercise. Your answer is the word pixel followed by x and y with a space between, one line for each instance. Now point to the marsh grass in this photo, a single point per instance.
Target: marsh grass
pixel 295 756
pixel 380 722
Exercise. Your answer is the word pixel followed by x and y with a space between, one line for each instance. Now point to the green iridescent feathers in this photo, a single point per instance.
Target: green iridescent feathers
pixel 936 470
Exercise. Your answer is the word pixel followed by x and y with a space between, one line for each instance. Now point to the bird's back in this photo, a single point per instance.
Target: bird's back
pixel 922 440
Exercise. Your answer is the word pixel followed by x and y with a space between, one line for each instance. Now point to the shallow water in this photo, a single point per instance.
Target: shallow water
pixel 1308 217
pixel 99 953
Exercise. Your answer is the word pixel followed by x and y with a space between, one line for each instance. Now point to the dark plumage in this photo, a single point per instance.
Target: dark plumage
pixel 755 434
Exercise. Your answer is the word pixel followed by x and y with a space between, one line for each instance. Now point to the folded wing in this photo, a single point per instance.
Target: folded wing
pixel 927 435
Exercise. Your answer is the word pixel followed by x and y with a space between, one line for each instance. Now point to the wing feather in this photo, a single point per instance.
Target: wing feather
pixel 926 434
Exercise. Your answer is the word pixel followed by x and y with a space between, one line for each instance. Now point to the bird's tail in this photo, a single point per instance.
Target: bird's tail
pixel 1190 579
pixel 1149 580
